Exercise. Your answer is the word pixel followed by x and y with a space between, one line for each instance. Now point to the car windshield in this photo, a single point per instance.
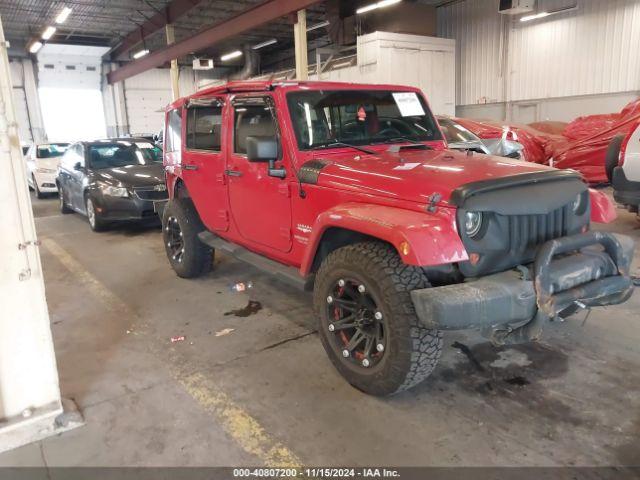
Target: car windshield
pixel 455 133
pixel 123 153
pixel 51 150
pixel 359 117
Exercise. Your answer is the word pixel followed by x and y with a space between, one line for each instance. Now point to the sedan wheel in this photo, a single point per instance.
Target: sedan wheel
pixel 95 222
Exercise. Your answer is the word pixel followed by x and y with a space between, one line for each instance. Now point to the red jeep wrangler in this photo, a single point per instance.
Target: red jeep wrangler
pixel 350 190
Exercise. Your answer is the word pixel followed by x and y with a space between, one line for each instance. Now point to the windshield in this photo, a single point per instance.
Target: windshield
pixel 123 153
pixel 359 117
pixel 52 150
pixel 454 132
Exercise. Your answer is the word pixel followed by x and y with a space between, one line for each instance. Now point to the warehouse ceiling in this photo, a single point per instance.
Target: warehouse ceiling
pixel 108 22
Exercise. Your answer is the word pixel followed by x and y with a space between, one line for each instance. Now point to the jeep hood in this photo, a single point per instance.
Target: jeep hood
pixel 415 175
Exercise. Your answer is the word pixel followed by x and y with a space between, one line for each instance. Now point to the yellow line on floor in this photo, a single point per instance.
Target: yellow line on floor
pixel 245 430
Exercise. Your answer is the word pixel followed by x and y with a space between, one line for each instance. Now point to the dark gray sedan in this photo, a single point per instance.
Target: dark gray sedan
pixel 111 180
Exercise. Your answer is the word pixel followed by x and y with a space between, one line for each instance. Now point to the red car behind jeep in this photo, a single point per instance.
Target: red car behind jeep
pixel 350 190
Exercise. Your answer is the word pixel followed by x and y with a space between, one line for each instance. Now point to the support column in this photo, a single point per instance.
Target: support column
pixel 30 403
pixel 175 72
pixel 33 101
pixel 300 39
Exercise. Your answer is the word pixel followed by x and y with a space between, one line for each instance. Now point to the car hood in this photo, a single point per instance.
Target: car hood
pixel 415 175
pixel 131 175
pixel 51 163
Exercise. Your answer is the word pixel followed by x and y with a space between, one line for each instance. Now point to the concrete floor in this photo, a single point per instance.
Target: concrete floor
pixel 259 390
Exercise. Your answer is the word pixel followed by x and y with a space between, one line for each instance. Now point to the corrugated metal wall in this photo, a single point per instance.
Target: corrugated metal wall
pixel 592 50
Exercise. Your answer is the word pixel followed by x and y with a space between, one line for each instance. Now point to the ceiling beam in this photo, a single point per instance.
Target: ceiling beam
pixel 169 14
pixel 253 17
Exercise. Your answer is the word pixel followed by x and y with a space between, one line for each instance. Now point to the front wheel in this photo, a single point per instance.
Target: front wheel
pixel 39 194
pixel 95 221
pixel 367 322
pixel 188 256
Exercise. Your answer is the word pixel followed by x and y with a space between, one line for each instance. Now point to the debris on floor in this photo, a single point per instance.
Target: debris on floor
pixel 178 338
pixel 224 331
pixel 241 286
pixel 250 308
pixel 464 349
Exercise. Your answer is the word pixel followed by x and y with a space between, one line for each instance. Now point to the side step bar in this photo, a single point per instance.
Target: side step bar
pixel 289 275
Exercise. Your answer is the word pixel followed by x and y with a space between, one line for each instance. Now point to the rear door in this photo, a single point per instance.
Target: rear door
pixel 203 162
pixel 260 204
pixel 77 175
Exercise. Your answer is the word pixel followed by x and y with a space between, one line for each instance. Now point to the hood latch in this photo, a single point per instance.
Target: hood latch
pixel 434 198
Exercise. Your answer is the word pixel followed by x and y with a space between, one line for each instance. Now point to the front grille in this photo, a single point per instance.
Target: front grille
pixel 150 194
pixel 527 231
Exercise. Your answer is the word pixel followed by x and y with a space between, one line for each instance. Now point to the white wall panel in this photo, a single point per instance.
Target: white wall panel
pixel 589 51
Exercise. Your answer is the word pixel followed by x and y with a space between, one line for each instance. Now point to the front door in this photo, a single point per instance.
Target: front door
pixel 260 204
pixel 203 164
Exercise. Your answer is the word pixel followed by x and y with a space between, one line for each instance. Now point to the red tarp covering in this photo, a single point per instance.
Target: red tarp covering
pixel 580 145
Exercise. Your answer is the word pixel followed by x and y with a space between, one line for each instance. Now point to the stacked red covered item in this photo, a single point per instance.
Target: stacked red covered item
pixel 580 145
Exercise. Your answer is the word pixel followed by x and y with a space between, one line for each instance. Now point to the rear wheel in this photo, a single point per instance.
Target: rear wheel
pixel 63 201
pixel 96 223
pixel 367 321
pixel 188 256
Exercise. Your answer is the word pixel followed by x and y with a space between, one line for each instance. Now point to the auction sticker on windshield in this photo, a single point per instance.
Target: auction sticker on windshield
pixel 408 103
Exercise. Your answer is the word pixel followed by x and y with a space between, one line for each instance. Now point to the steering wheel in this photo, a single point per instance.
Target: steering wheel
pixel 389 132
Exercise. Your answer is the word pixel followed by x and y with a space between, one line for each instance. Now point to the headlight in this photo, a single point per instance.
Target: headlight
pixel 578 204
pixel 45 170
pixel 113 191
pixel 472 223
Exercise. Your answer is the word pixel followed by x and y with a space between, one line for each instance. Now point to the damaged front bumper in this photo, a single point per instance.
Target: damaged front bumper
pixel 588 270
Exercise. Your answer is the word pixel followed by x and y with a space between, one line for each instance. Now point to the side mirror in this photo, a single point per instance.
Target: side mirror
pixel 265 149
pixel 262 149
pixel 77 166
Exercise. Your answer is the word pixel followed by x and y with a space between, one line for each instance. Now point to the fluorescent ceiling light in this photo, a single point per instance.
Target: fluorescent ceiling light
pixel 140 54
pixel 48 33
pixel 318 25
pixel 64 14
pixel 374 6
pixel 528 18
pixel 265 44
pixel 35 46
pixel 231 55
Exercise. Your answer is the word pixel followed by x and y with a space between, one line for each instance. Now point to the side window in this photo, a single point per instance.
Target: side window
pixel 173 140
pixel 251 120
pixel 204 125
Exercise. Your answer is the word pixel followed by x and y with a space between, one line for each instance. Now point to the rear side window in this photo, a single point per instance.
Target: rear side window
pixel 252 120
pixel 173 140
pixel 204 128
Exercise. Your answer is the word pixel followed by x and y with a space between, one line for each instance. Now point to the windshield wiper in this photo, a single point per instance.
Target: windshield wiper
pixel 341 144
pixel 406 139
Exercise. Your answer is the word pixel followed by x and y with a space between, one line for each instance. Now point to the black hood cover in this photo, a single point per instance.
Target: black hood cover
pixel 131 175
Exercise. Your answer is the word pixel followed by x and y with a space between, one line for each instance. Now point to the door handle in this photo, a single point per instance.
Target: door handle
pixel 189 167
pixel 233 173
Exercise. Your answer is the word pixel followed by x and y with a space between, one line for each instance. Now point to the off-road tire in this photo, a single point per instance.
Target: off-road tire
pixel 64 209
pixel 413 350
pixel 98 224
pixel 611 157
pixel 197 258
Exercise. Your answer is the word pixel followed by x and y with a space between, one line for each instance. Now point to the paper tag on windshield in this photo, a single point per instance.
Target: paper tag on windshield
pixel 408 103
pixel 144 145
pixel 406 166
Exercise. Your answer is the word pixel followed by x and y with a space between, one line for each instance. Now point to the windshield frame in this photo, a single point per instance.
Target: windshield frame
pixel 437 135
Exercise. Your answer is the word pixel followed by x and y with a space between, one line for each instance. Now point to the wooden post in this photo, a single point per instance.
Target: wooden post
pixel 175 72
pixel 300 39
